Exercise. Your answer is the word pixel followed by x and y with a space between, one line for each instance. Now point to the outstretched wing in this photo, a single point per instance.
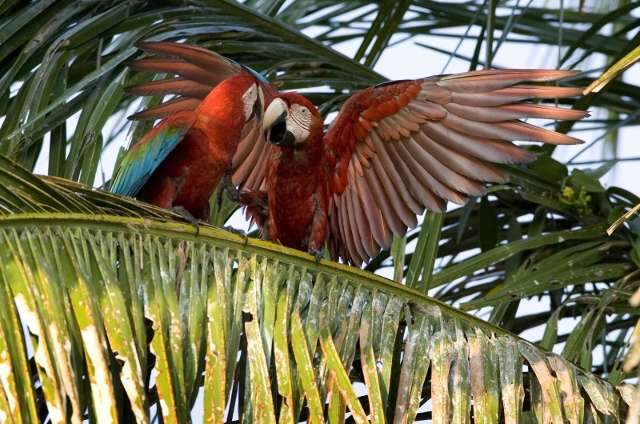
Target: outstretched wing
pixel 405 146
pixel 149 152
pixel 198 71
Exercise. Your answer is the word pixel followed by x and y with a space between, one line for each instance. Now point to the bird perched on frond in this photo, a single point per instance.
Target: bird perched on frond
pixel 210 134
pixel 394 150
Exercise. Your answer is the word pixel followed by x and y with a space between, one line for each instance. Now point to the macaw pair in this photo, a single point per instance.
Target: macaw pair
pixel 392 151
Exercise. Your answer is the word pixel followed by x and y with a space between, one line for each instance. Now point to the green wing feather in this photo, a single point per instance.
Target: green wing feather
pixel 146 155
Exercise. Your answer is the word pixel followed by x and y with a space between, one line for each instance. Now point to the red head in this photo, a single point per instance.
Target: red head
pixel 291 120
pixel 239 94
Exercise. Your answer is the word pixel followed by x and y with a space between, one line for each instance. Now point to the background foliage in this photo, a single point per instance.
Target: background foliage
pixel 531 256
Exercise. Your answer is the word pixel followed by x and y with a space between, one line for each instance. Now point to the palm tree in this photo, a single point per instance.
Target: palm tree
pixel 114 310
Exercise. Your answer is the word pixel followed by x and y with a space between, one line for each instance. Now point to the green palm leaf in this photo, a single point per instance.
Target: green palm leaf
pixel 124 313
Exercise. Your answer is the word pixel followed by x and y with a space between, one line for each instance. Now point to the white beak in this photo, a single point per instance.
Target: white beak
pixel 277 108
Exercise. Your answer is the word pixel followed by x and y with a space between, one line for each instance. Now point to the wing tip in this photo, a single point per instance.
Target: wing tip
pixel 138 116
pixel 134 89
pixel 144 45
pixel 556 74
pixel 566 140
pixel 140 65
pixel 158 47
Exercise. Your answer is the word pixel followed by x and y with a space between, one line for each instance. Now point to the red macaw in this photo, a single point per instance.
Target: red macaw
pixel 394 150
pixel 213 130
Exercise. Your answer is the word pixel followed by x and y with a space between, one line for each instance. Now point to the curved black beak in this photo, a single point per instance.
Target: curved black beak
pixel 274 124
pixel 278 133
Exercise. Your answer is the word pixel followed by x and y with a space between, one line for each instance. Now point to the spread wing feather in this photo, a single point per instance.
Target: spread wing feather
pixel 180 86
pixel 168 108
pixel 149 152
pixel 198 71
pixel 405 146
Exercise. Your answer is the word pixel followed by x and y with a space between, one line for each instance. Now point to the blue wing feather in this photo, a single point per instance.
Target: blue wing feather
pixel 141 161
pixel 255 73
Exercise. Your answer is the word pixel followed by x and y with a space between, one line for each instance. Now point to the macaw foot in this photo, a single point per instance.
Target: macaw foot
pixel 318 254
pixel 232 191
pixel 187 216
pixel 238 232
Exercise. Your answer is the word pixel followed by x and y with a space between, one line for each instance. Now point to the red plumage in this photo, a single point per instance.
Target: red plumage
pixel 213 130
pixel 393 151
pixel 297 189
pixel 192 171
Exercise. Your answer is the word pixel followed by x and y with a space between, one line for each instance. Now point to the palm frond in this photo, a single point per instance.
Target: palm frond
pixel 127 312
pixel 615 70
pixel 633 361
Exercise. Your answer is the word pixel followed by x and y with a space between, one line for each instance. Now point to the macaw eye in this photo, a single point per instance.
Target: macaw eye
pixel 301 115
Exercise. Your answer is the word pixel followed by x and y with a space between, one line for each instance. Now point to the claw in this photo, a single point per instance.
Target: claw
pixel 318 254
pixel 238 232
pixel 187 216
pixel 232 191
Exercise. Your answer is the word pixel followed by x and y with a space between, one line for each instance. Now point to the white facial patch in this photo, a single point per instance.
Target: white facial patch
pixel 249 99
pixel 299 122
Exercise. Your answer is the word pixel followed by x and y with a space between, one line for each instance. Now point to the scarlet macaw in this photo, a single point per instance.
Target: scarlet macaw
pixel 394 150
pixel 213 130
